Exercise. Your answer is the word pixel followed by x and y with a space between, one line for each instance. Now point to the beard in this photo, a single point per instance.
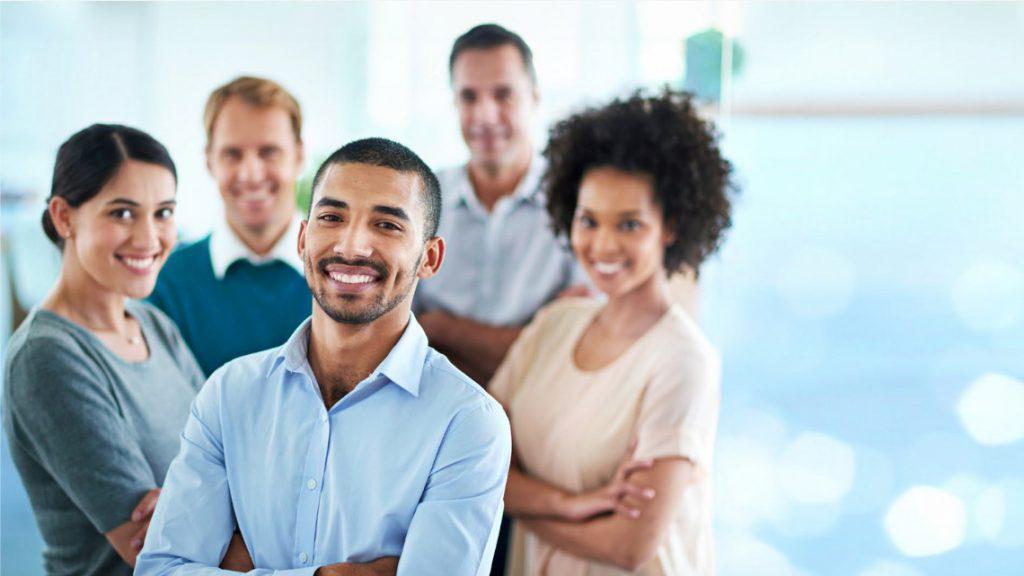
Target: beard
pixel 371 311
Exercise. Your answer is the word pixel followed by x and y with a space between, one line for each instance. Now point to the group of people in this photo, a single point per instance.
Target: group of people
pixel 368 388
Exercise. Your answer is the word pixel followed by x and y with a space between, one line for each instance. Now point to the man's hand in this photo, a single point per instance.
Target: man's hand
pixel 237 556
pixel 143 513
pixel 611 496
pixel 386 566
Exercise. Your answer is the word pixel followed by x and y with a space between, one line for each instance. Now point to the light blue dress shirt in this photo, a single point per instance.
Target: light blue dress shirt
pixel 411 463
pixel 500 266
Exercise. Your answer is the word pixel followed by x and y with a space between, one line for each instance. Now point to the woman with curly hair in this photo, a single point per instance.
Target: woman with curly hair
pixel 614 403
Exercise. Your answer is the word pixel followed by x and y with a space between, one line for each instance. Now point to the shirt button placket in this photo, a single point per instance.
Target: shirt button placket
pixel 492 252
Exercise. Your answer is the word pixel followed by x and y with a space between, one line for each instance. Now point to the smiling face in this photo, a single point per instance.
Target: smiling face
pixel 122 236
pixel 495 98
pixel 255 157
pixel 363 244
pixel 618 231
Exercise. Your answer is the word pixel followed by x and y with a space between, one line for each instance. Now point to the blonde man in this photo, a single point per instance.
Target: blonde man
pixel 241 289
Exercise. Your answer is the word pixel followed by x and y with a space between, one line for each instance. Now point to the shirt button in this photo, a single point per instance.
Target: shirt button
pixel 323 417
pixel 303 557
pixel 311 484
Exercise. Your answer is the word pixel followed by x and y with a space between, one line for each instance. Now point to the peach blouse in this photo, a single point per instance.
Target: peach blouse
pixel 571 428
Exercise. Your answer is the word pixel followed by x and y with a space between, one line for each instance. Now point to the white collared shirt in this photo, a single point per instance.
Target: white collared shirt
pixel 226 248
pixel 500 266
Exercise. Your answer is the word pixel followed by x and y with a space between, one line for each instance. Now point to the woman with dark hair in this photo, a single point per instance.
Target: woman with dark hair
pixel 97 385
pixel 614 403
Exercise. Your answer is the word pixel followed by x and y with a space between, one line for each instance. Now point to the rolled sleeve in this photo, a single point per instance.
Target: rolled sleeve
pixel 679 411
pixel 455 526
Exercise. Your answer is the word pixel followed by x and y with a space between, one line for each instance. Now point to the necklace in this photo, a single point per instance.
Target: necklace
pixel 133 340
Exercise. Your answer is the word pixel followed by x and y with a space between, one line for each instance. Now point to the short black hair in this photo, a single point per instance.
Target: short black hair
pixel 658 135
pixel 90 158
pixel 487 36
pixel 390 154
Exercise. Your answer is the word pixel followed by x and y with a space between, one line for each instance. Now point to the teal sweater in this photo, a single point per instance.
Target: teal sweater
pixel 254 307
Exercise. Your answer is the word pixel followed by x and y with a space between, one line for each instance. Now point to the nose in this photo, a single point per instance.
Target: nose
pixel 353 242
pixel 145 234
pixel 485 111
pixel 604 242
pixel 250 169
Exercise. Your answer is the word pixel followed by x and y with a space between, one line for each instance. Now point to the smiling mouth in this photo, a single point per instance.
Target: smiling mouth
pixel 608 269
pixel 352 278
pixel 138 265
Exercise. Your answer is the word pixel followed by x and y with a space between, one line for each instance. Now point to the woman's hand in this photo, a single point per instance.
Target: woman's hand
pixel 611 496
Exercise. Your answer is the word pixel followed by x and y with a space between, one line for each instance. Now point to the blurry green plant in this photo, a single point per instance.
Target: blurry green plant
pixel 304 184
pixel 703 55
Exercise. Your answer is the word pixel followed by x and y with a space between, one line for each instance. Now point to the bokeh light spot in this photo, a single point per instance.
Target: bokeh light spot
pixel 746 487
pixel 925 521
pixel 991 409
pixel 989 513
pixel 989 295
pixel 1011 531
pixel 817 469
pixel 742 554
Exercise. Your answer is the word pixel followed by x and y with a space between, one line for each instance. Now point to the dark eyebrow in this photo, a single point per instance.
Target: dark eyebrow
pixel 171 202
pixel 123 201
pixel 393 211
pixel 332 203
pixel 623 214
pixel 342 205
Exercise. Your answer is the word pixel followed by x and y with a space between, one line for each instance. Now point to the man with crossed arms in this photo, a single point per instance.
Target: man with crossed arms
pixel 354 448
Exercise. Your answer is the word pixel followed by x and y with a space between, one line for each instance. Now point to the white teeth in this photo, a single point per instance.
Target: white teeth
pixel 138 263
pixel 606 268
pixel 352 278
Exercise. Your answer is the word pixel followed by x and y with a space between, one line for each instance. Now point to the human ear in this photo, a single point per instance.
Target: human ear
pixel 301 245
pixel 433 255
pixel 207 153
pixel 60 215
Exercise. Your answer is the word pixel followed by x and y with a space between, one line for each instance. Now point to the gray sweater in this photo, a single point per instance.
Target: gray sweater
pixel 91 433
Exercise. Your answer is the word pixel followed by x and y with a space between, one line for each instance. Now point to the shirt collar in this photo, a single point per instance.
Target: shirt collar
pixel 403 365
pixel 226 248
pixel 528 189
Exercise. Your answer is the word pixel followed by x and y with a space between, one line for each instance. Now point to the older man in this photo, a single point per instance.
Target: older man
pixel 503 261
pixel 240 289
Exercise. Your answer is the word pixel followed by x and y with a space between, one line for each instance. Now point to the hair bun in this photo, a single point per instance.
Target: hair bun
pixel 51 230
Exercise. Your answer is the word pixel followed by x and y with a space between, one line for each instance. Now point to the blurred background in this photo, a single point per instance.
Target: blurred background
pixel 868 302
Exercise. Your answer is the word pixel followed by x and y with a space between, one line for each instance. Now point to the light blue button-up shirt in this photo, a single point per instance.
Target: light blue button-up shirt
pixel 500 266
pixel 411 463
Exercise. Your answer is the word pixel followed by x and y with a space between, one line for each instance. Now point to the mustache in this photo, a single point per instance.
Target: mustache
pixel 379 267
